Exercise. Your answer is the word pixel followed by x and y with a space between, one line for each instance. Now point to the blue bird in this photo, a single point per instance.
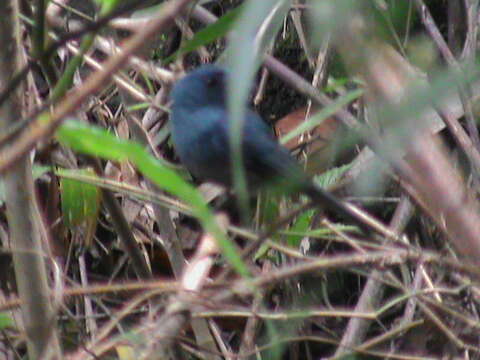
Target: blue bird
pixel 199 123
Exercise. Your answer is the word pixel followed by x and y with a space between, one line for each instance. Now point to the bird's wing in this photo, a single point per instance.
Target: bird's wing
pixel 265 157
pixel 206 154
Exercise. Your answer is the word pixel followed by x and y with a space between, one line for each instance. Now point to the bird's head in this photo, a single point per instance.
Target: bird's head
pixel 202 87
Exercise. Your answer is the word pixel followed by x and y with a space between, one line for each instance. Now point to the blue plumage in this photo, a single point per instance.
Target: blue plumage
pixel 200 130
pixel 199 125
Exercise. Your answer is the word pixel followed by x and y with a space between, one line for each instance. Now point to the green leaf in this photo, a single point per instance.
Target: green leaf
pixel 268 209
pixel 80 201
pixel 92 140
pixel 323 232
pixel 300 226
pixel 38 170
pixel 334 84
pixel 207 35
pixel 98 142
pixel 255 27
pixel 331 176
pixel 6 321
pixel 107 5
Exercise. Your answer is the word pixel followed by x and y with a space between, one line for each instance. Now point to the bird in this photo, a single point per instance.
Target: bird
pixel 199 125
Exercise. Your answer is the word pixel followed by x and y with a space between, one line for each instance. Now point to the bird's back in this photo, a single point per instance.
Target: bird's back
pixel 206 152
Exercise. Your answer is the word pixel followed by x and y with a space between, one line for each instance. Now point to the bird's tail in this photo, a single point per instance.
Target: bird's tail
pixel 326 200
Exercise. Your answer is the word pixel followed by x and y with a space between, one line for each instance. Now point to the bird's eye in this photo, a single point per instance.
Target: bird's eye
pixel 214 81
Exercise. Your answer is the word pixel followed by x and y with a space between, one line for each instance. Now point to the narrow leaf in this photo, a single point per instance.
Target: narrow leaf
pixel 96 141
pixel 207 35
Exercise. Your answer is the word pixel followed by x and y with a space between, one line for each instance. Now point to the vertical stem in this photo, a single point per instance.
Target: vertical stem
pixel 39 29
pixel 28 258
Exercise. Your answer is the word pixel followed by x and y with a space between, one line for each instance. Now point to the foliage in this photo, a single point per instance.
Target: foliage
pixel 377 101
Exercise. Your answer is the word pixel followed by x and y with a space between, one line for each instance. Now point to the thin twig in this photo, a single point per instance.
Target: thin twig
pixel 41 129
